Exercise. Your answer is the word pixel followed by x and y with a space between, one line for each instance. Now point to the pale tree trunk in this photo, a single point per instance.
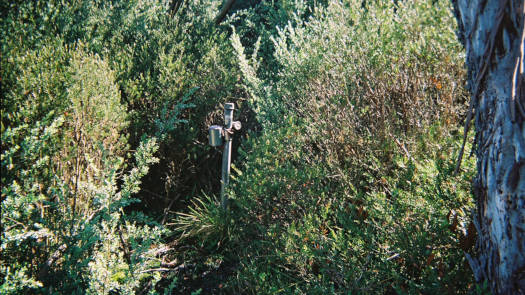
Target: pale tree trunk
pixel 493 34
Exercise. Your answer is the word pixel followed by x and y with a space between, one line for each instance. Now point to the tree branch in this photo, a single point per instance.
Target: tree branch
pixel 224 10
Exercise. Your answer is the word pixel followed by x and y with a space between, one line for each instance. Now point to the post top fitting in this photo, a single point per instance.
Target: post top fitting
pixel 229 106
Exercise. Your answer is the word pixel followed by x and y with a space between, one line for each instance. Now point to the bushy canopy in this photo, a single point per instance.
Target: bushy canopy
pixel 342 179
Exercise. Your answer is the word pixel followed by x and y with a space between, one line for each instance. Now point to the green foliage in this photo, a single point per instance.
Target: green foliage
pixel 350 185
pixel 16 282
pixel 63 144
pixel 206 221
pixel 307 229
pixel 344 180
pixel 47 245
pixel 171 69
pixel 399 78
pixel 257 24
pixel 361 95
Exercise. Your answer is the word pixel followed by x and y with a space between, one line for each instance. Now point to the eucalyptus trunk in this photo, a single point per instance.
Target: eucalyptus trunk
pixel 493 34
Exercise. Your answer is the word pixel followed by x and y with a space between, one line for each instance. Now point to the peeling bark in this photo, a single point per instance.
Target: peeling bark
pixel 492 32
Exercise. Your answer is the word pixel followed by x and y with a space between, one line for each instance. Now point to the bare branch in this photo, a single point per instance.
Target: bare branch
pixel 224 10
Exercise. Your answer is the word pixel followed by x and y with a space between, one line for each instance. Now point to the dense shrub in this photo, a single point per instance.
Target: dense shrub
pixel 343 181
pixel 62 154
pixel 350 185
pixel 299 226
pixel 258 23
pixel 359 76
pixel 63 149
pixel 171 68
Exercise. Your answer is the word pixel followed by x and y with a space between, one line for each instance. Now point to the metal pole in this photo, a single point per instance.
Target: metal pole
pixel 226 157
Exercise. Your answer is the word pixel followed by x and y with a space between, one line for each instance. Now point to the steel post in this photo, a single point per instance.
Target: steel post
pixel 226 157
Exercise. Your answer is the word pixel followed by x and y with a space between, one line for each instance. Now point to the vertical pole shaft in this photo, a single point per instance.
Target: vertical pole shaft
pixel 226 156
